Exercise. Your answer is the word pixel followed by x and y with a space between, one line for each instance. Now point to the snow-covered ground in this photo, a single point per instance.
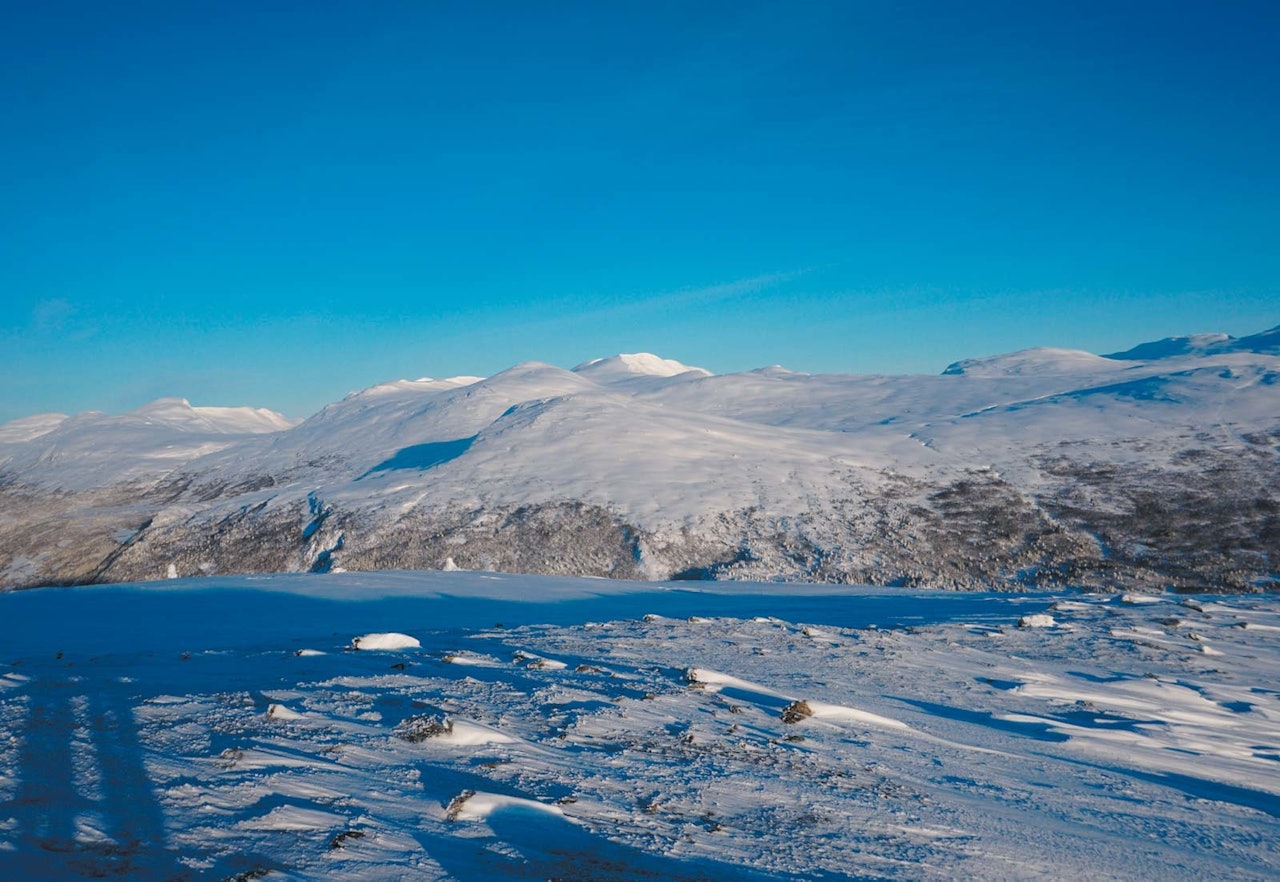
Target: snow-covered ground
pixel 552 728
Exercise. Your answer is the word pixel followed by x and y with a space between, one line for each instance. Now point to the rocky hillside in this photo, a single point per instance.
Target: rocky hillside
pixel 1153 467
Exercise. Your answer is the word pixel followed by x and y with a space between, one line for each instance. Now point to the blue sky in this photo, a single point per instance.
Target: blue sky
pixel 276 203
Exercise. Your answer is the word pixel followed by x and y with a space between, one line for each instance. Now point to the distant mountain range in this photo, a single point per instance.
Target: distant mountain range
pixel 1154 467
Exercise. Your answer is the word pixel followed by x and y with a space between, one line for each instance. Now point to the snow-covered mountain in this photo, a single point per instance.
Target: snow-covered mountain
pixel 1265 343
pixel 1044 467
pixel 97 449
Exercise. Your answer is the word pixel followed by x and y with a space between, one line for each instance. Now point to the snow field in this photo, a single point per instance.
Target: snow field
pixel 761 738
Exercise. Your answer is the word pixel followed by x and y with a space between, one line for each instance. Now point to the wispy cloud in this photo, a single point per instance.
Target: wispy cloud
pixel 724 291
pixel 634 319
pixel 681 298
pixel 52 315
pixel 57 315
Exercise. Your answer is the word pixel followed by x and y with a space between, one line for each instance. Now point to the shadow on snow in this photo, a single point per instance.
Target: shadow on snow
pixel 424 456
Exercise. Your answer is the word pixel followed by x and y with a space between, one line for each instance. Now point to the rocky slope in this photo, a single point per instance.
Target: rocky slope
pixel 1153 467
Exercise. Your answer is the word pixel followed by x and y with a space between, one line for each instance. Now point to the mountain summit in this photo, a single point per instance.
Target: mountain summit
pixel 1265 343
pixel 640 365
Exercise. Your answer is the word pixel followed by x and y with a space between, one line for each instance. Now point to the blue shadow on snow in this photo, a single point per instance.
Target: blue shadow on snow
pixel 424 456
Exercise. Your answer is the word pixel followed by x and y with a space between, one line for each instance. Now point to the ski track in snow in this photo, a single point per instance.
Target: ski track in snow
pixel 944 742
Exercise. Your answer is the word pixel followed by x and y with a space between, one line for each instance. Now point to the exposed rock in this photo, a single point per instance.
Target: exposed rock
pixel 796 711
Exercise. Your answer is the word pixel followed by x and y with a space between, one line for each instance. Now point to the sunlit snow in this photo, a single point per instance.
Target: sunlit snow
pixel 540 728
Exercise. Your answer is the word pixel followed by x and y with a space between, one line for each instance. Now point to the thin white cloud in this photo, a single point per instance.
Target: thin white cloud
pixel 52 315
pixel 687 297
pixel 59 316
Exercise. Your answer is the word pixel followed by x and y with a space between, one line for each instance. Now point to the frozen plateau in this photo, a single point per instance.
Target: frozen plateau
pixel 375 644
pixel 1147 469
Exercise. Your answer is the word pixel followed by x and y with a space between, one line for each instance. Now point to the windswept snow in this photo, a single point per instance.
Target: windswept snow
pixel 740 732
pixel 472 806
pixel 282 712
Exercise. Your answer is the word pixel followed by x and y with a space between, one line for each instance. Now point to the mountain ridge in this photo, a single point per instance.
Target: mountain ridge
pixel 1039 468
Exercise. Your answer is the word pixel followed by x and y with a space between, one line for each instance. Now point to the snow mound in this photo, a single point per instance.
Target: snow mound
pixel 1130 597
pixel 465 733
pixel 389 640
pixel 473 806
pixel 471 658
pixel 821 710
pixel 714 681
pixel 1038 620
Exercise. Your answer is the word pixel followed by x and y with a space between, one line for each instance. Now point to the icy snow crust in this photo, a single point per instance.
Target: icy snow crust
pixel 223 728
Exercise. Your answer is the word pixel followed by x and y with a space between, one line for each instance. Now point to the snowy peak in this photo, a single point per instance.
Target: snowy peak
pixel 1173 347
pixel 777 371
pixel 383 422
pixel 1264 343
pixel 1039 361
pixel 247 420
pixel 178 413
pixel 629 367
pixel 411 387
pixel 29 428
pixel 95 449
pixel 535 379
pixel 164 407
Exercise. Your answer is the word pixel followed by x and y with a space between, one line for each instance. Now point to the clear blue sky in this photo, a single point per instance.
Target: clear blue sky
pixel 275 203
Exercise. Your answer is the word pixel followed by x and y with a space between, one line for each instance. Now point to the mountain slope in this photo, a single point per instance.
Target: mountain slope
pixel 1039 468
pixel 1264 343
